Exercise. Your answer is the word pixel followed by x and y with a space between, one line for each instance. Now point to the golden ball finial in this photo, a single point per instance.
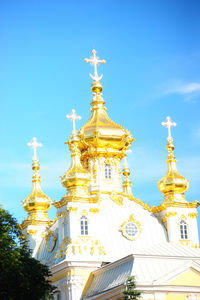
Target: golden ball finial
pixel 96 87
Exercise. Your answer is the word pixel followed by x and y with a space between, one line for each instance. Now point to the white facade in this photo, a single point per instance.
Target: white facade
pixel 99 221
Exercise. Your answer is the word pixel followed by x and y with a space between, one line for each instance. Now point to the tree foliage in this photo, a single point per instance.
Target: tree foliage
pixel 21 276
pixel 130 291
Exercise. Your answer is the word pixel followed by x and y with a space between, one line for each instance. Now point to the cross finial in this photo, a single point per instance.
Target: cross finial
pixel 73 117
pixel 168 124
pixel 34 144
pixel 95 61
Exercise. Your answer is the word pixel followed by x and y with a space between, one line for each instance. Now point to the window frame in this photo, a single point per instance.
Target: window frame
pixel 183 230
pixel 131 232
pixel 108 171
pixel 84 225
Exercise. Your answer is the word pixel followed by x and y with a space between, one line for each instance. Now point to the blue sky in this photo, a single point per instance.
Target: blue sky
pixel 152 50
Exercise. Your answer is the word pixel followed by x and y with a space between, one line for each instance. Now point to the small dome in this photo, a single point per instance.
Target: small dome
pixel 76 176
pixel 173 181
pixel 37 201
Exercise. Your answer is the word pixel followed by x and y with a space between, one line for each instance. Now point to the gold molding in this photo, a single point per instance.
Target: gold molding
pixel 71 209
pixel 117 198
pixel 183 217
pixel 94 210
pixel 184 242
pixel 67 199
pixel 164 205
pixel 50 233
pixel 31 232
pixel 28 222
pixel 170 214
pixel 131 219
pixel 192 215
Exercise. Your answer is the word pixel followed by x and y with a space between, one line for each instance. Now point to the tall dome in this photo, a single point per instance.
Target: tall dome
pixel 172 185
pixel 37 203
pixel 100 134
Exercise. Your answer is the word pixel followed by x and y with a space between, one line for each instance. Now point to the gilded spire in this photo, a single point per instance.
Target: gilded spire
pixel 173 185
pixel 100 132
pixel 76 179
pixel 37 203
pixel 127 183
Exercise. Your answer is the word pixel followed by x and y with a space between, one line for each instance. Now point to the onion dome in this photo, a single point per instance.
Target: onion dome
pixel 37 203
pixel 100 132
pixel 173 183
pixel 76 179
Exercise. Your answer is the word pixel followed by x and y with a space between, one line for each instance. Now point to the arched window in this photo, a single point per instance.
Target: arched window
pixel 58 297
pixel 84 225
pixel 183 230
pixel 108 173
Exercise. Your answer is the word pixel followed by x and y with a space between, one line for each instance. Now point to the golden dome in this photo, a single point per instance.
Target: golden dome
pixel 173 182
pixel 100 131
pixel 37 203
pixel 76 176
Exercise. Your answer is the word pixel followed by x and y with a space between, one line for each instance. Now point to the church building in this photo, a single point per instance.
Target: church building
pixel 101 233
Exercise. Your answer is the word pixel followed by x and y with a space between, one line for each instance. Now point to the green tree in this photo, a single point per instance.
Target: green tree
pixel 130 291
pixel 21 276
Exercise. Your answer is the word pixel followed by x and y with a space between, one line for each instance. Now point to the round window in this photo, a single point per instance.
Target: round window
pixel 131 229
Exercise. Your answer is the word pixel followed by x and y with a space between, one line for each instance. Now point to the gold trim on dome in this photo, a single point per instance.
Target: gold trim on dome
pixel 50 234
pixel 118 199
pixel 67 199
pixel 28 222
pixel 131 219
pixel 130 197
pixel 164 205
pixel 142 203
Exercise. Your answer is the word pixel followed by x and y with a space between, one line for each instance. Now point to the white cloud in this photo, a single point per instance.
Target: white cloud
pixel 179 87
pixel 188 88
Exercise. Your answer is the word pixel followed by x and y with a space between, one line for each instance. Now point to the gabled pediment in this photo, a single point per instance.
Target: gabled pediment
pixel 186 275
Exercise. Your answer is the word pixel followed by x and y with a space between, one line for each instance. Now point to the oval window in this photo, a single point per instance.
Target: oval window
pixel 131 229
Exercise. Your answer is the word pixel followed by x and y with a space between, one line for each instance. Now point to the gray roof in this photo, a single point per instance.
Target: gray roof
pixel 149 266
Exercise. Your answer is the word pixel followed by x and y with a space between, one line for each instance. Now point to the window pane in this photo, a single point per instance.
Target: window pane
pixel 108 171
pixel 84 225
pixel 183 230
